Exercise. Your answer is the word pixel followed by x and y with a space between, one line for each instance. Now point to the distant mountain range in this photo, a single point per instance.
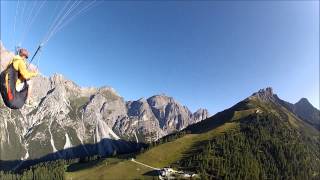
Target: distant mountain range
pixel 65 115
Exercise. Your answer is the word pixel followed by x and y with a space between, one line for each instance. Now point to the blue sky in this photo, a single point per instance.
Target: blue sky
pixel 208 54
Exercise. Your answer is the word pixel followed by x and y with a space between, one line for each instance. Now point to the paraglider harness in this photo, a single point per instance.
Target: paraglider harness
pixel 11 97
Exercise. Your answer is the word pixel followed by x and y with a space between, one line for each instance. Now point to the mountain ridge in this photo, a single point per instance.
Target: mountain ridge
pixel 65 115
pixel 257 138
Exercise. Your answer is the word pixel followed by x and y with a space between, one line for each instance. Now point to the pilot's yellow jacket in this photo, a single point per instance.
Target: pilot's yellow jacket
pixel 19 64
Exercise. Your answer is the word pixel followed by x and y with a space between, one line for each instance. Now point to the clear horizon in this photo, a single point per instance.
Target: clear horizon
pixel 204 54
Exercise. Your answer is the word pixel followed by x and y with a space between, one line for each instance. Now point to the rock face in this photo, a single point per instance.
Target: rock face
pixel 5 57
pixel 65 115
pixel 70 121
pixel 265 94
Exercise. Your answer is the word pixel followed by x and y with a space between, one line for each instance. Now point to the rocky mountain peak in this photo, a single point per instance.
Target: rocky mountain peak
pixel 266 91
pixel 108 89
pixel 306 111
pixel 200 114
pixel 161 100
pixel 303 108
pixel 303 101
pixel 108 93
pixel 138 108
pixel 265 94
pixel 59 79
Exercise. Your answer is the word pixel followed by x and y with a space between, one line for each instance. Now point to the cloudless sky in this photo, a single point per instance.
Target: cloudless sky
pixel 208 54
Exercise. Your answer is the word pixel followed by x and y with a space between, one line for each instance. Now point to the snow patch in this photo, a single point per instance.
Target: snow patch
pixel 135 135
pixel 52 144
pixel 68 142
pixel 51 138
pixel 26 156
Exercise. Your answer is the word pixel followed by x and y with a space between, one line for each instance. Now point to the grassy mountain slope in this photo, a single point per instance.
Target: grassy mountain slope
pixel 269 143
pixel 159 156
pixel 257 138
